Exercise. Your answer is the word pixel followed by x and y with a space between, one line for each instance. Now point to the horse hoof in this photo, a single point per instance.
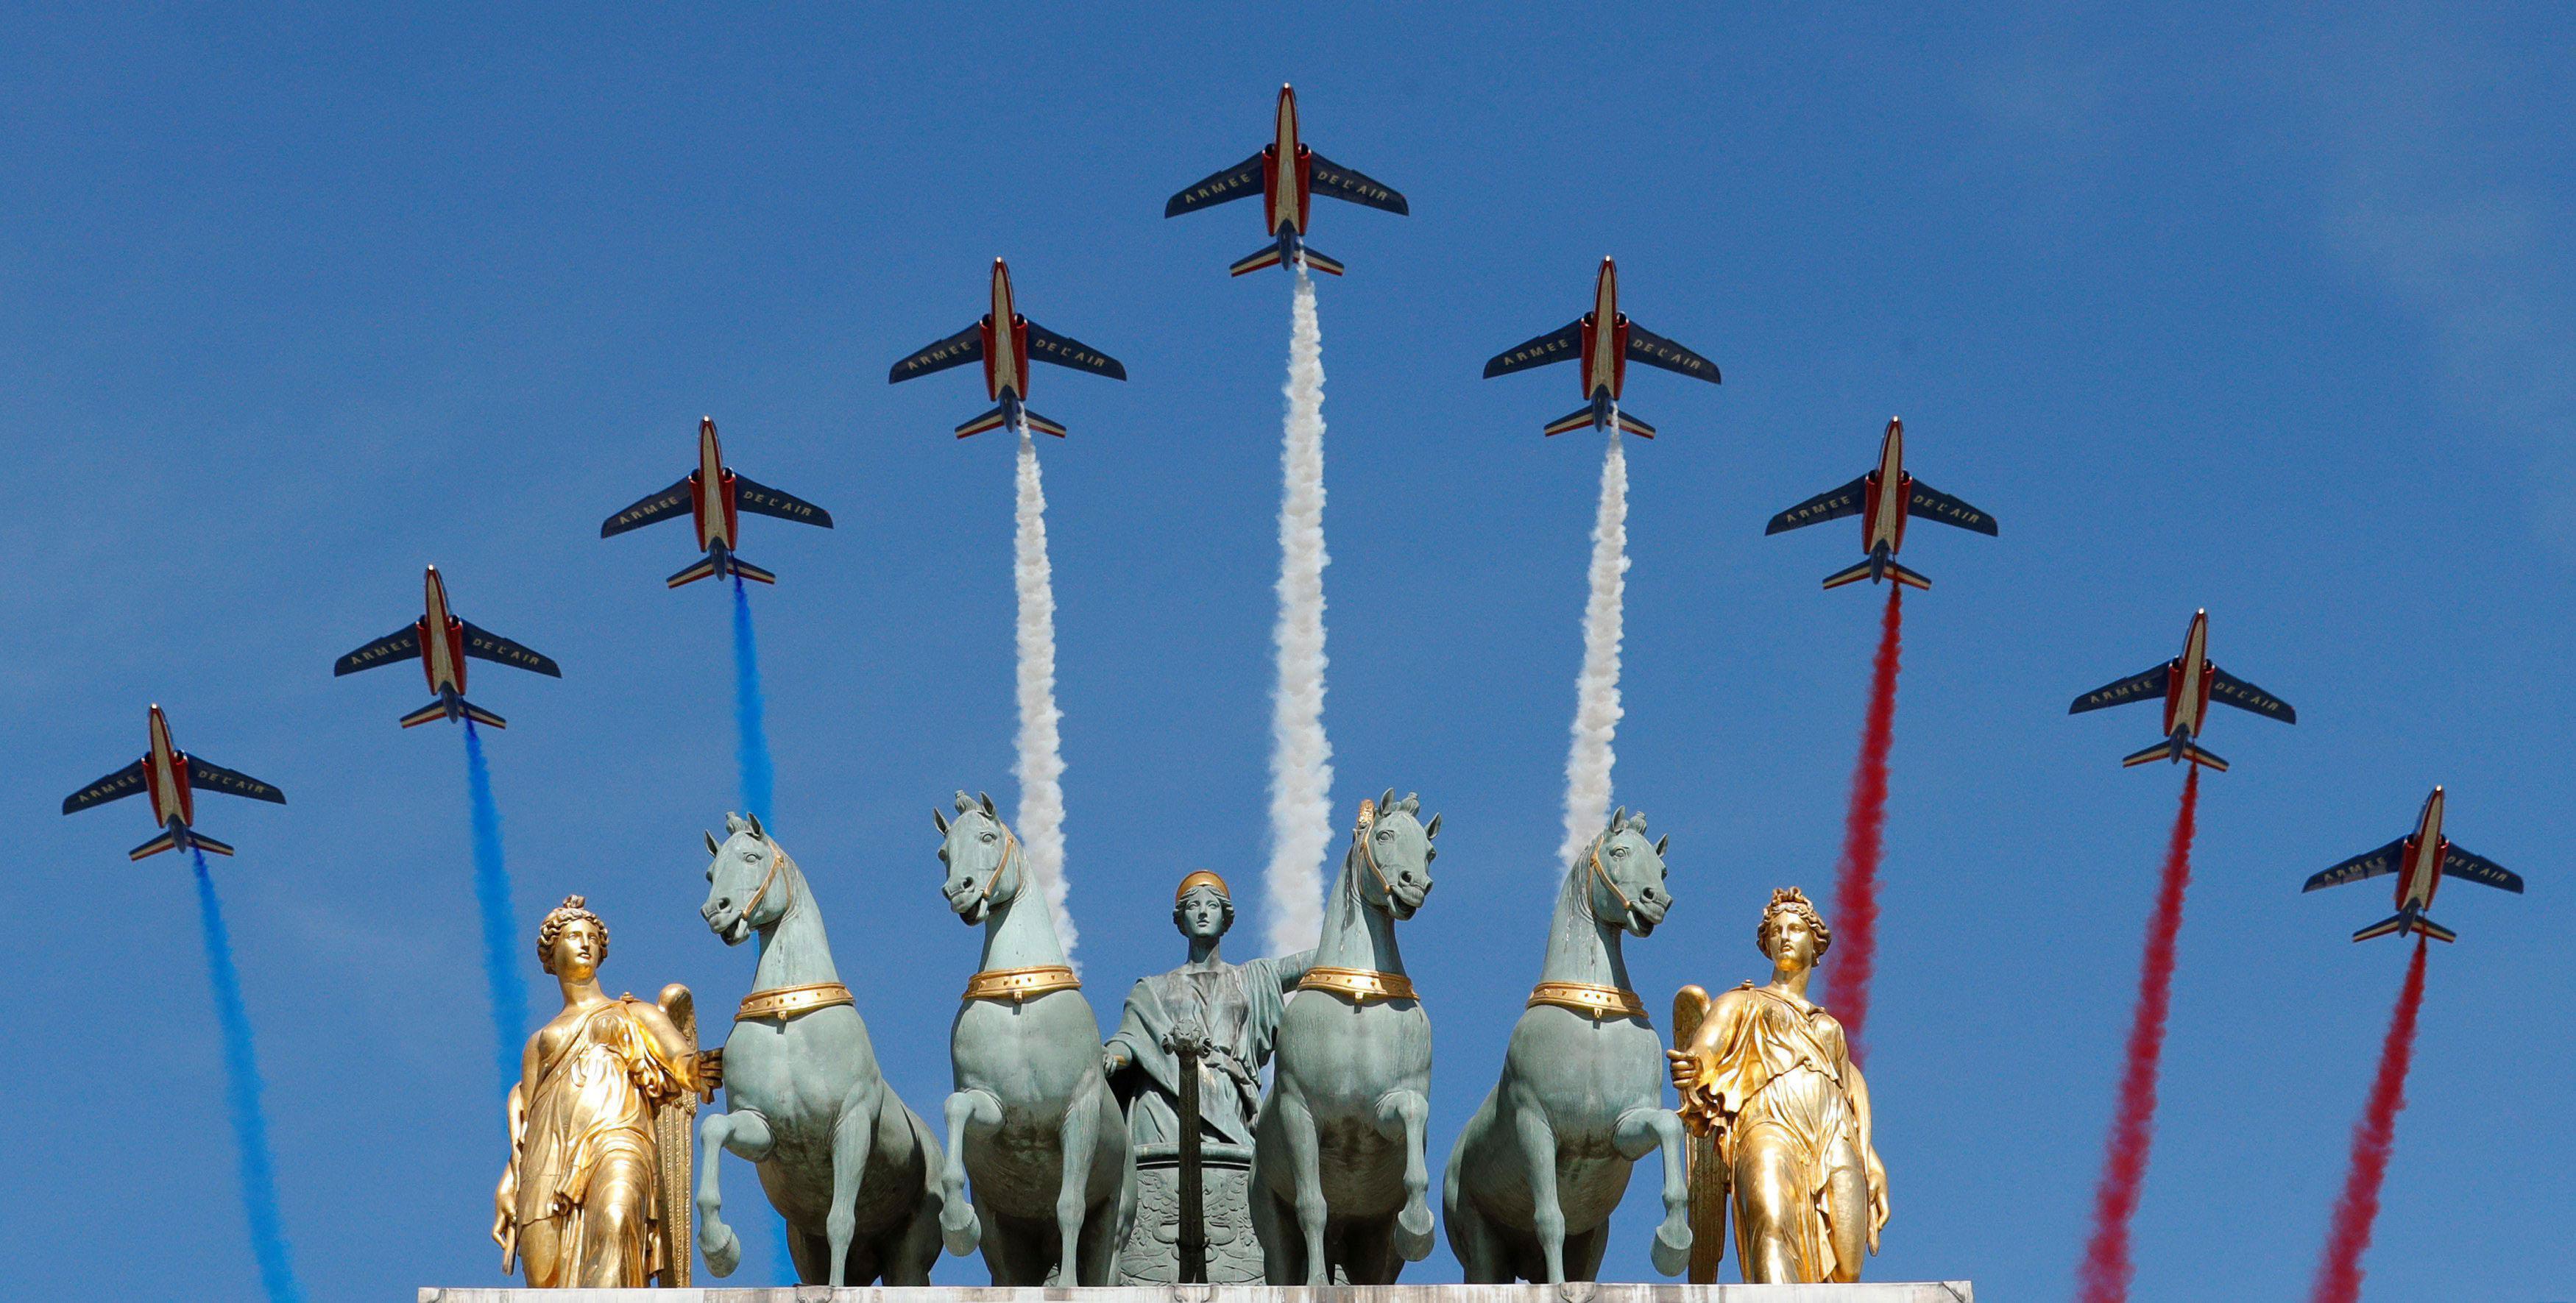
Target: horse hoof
pixel 960 1231
pixel 1413 1234
pixel 1672 1249
pixel 721 1246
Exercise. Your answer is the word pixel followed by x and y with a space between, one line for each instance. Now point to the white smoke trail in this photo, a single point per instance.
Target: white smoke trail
pixel 1040 818
pixel 1596 705
pixel 1301 770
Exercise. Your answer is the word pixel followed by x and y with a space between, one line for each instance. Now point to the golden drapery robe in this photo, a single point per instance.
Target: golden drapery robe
pixel 1770 1068
pixel 594 1101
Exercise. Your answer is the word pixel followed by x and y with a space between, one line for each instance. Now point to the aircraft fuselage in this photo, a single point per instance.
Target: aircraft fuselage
pixel 2420 872
pixel 1006 347
pixel 442 645
pixel 711 493
pixel 2187 687
pixel 165 773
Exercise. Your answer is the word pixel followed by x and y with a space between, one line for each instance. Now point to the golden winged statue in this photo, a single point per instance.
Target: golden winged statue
pixel 596 1194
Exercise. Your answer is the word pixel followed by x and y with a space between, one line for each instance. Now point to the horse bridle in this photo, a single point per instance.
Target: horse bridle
pixel 1368 854
pixel 775 856
pixel 1603 875
pixel 1010 847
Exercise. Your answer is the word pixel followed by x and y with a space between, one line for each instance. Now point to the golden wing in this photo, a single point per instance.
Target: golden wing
pixel 1708 1176
pixel 674 1135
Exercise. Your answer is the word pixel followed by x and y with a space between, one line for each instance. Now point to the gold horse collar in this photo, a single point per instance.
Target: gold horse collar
pixel 784 1002
pixel 1588 997
pixel 1361 985
pixel 1018 984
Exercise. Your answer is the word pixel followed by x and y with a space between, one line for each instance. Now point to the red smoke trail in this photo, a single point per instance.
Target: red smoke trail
pixel 1856 875
pixel 2339 1271
pixel 2107 1269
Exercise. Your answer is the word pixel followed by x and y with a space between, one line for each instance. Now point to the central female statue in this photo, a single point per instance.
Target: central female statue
pixel 1769 1079
pixel 585 1202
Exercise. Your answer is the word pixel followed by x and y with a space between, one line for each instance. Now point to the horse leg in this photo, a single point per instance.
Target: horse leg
pixel 908 1250
pixel 1077 1141
pixel 1472 1236
pixel 747 1134
pixel 854 1133
pixel 1403 1115
pixel 1306 1173
pixel 1534 1142
pixel 1642 1129
pixel 958 1225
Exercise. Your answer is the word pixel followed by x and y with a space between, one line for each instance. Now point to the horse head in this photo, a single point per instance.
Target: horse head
pixel 1394 845
pixel 985 864
pixel 750 880
pixel 1623 875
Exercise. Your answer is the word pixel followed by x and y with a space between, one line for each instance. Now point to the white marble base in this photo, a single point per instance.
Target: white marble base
pixel 1953 1291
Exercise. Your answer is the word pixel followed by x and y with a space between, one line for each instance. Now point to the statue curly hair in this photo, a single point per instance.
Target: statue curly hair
pixel 1794 901
pixel 572 909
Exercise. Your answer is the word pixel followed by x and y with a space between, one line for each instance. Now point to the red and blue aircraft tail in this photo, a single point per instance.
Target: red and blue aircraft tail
pixel 2177 749
pixel 2403 922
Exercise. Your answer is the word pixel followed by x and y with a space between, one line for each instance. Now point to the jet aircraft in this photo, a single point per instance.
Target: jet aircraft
pixel 1005 342
pixel 715 498
pixel 1605 341
pixel 2421 859
pixel 2188 683
pixel 442 642
pixel 1883 499
pixel 172 777
pixel 1289 175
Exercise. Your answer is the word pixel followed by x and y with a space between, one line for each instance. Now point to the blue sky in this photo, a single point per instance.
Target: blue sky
pixel 2268 310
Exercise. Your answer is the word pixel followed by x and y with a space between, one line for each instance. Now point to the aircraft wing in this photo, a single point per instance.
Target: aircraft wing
pixel 1832 504
pixel 2120 692
pixel 484 644
pixel 761 499
pixel 652 507
pixel 1047 346
pixel 1562 345
pixel 2457 863
pixel 1240 181
pixel 2368 864
pixel 123 783
pixel 400 645
pixel 1932 504
pixel 1326 177
pixel 957 350
pixel 1654 350
pixel 2236 692
pixel 215 778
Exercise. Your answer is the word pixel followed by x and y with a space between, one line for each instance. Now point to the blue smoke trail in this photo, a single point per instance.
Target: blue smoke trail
pixel 751 734
pixel 751 758
pixel 242 1089
pixel 492 894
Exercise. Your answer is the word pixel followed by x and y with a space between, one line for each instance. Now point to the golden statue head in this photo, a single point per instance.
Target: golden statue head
pixel 570 913
pixel 1789 902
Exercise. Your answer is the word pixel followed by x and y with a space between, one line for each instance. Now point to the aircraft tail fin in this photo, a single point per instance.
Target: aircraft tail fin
pixel 702 568
pixel 208 844
pixel 1632 424
pixel 1850 574
pixel 1579 419
pixel 1258 259
pixel 481 716
pixel 165 842
pixel 429 714
pixel 2169 749
pixel 1041 424
pixel 749 571
pixel 2400 924
pixel 1909 578
pixel 992 420
pixel 1319 262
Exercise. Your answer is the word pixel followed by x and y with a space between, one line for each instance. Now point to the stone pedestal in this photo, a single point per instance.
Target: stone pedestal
pixel 1955 1291
pixel 1152 1254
